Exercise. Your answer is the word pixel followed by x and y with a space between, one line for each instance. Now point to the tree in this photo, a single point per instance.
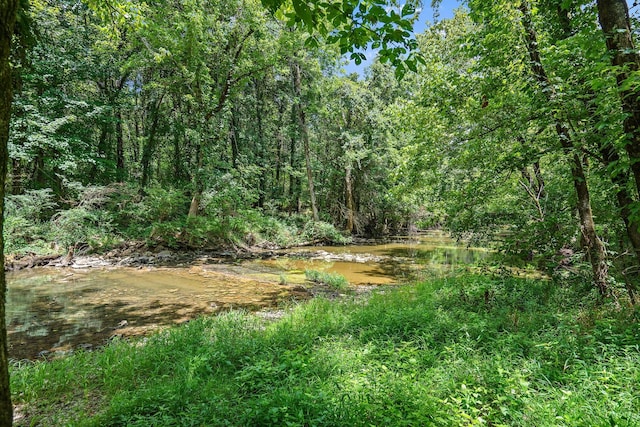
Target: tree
pixel 8 13
pixel 355 25
pixel 616 26
pixel 593 243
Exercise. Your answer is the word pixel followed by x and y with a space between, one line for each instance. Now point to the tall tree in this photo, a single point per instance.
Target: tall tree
pixel 615 23
pixel 8 12
pixel 303 128
pixel 595 247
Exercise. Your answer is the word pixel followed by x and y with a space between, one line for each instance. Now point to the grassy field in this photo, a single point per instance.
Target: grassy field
pixel 466 350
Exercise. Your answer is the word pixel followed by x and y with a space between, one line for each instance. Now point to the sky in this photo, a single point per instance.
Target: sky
pixel 426 18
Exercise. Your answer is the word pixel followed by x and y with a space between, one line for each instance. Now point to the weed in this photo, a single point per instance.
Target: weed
pixel 333 280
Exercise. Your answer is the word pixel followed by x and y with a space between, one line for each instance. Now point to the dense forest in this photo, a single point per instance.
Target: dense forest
pixel 193 125
pixel 204 124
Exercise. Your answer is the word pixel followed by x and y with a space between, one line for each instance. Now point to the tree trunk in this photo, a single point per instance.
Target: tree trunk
pixel 280 149
pixel 614 20
pixel 304 133
pixel 194 207
pixel 294 181
pixel 349 197
pixel 120 171
pixel 625 201
pixel 234 138
pixel 16 176
pixel 260 149
pixel 150 146
pixel 8 9
pixel 595 247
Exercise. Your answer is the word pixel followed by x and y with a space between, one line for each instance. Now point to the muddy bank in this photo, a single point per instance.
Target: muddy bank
pixel 134 254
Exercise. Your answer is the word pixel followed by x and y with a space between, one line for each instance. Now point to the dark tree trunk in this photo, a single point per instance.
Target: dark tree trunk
pixel 595 247
pixel 234 138
pixel 304 133
pixel 625 201
pixel 614 20
pixel 279 152
pixel 8 9
pixel 120 170
pixel 260 149
pixel 294 181
pixel 150 145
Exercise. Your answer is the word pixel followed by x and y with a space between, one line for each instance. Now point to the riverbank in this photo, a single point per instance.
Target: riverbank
pixel 52 311
pixel 140 253
pixel 465 350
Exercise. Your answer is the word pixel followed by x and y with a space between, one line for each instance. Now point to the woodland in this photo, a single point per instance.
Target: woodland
pixel 191 124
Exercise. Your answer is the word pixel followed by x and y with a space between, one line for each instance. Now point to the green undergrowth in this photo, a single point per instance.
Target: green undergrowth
pixel 466 350
pixel 100 218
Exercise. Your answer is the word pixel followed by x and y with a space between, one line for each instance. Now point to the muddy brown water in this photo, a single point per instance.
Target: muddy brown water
pixel 52 311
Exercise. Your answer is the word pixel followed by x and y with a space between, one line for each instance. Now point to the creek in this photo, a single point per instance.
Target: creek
pixel 53 311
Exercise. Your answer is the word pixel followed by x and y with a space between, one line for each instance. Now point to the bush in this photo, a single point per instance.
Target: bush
pixel 26 221
pixel 323 232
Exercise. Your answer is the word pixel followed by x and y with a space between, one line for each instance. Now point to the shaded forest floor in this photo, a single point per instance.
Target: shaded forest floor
pixel 463 350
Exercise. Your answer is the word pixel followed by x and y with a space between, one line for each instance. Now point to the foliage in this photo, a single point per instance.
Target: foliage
pixel 319 231
pixel 451 351
pixel 26 221
pixel 354 25
pixel 333 280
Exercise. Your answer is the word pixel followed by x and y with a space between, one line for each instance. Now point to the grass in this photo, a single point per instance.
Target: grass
pixel 333 280
pixel 467 350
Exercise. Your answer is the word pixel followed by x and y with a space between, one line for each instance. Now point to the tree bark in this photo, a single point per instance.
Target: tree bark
pixel 194 207
pixel 595 247
pixel 234 138
pixel 304 133
pixel 614 21
pixel 150 145
pixel 349 197
pixel 625 201
pixel 8 11
pixel 120 170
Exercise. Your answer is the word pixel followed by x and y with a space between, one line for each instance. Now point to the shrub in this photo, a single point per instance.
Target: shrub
pixel 323 232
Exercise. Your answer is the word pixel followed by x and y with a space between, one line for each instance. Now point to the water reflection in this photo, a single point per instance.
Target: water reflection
pixel 389 262
pixel 57 310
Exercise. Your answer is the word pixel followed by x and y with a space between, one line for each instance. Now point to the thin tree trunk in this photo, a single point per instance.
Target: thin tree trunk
pixel 294 181
pixel 16 177
pixel 8 10
pixel 595 247
pixel 614 20
pixel 150 145
pixel 279 190
pixel 234 138
pixel 349 197
pixel 194 207
pixel 120 170
pixel 304 133
pixel 260 149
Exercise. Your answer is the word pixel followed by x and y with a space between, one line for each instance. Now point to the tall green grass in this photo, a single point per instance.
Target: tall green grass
pixel 468 350
pixel 332 280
